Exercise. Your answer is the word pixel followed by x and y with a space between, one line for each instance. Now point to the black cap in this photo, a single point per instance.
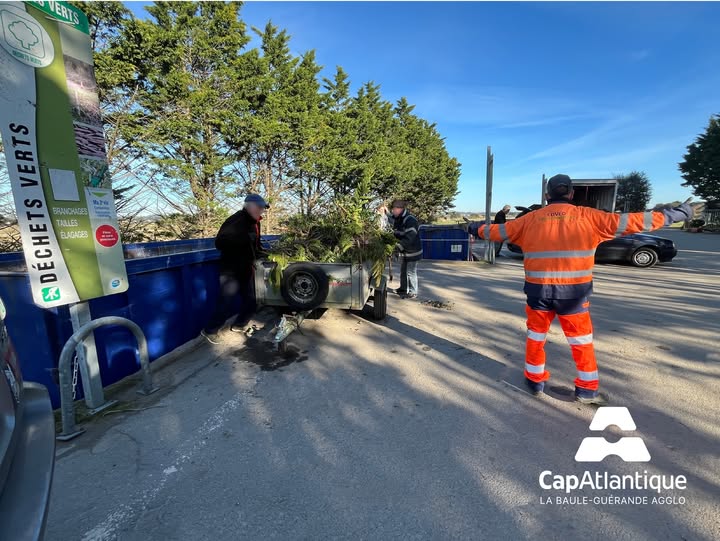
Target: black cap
pixel 258 200
pixel 399 203
pixel 559 185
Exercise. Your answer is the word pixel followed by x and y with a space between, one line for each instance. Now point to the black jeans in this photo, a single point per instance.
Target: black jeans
pixel 232 290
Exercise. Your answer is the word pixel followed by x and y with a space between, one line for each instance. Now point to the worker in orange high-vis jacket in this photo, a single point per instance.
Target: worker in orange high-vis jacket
pixel 558 242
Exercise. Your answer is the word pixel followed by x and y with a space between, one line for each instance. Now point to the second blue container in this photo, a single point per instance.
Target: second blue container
pixel 445 242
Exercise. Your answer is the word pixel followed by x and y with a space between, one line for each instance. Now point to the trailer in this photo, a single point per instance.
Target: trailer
pixel 306 287
pixel 595 193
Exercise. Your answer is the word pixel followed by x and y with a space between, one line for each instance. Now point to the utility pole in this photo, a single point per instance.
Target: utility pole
pixel 489 248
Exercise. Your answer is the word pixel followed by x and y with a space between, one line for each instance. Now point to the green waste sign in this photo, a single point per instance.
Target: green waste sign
pixel 55 151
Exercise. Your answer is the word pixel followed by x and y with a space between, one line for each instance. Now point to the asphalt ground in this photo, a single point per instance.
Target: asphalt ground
pixel 418 427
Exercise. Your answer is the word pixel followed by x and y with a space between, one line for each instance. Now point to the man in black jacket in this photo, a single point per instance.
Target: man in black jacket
pixel 239 243
pixel 500 218
pixel 406 231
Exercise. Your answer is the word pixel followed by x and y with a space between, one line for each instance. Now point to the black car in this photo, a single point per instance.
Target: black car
pixel 27 448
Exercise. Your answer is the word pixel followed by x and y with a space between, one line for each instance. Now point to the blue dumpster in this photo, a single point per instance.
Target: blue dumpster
pixel 172 291
pixel 448 242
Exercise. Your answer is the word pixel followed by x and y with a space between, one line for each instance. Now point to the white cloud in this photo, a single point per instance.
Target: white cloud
pixel 499 107
pixel 602 166
pixel 647 117
pixel 592 136
pixel 547 121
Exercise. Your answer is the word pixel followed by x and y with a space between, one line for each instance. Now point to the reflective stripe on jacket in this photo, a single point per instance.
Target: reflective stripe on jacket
pixel 406 228
pixel 559 242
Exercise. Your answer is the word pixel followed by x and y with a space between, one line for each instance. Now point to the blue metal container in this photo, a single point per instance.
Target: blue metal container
pixel 172 291
pixel 447 242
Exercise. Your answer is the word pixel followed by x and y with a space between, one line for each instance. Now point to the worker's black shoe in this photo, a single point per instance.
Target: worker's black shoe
pixel 588 396
pixel 399 291
pixel 408 296
pixel 536 387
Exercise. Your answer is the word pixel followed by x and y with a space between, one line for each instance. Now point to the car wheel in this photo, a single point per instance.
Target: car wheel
pixel 304 286
pixel 644 257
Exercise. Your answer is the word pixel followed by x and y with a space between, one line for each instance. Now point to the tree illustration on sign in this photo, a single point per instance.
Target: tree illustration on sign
pixel 24 34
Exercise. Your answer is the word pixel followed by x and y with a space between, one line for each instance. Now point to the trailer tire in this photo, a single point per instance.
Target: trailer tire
pixel 380 301
pixel 304 286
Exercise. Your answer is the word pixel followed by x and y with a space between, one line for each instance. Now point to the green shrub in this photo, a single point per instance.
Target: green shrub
pixel 337 236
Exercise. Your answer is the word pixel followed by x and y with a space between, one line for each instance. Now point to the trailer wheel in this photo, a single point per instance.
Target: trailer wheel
pixel 380 301
pixel 304 286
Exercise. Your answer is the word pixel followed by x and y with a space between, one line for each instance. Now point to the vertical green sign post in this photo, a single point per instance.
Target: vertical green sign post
pixel 55 150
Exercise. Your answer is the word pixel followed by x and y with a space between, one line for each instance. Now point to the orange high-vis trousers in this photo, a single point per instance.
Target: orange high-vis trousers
pixel 574 316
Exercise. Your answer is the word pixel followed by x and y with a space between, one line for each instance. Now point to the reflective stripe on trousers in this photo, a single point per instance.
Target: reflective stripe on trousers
pixel 535 369
pixel 538 324
pixel 580 340
pixel 537 336
pixel 588 376
pixel 577 328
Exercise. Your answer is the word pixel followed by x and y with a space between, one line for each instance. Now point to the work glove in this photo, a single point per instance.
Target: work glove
pixel 693 210
pixel 685 211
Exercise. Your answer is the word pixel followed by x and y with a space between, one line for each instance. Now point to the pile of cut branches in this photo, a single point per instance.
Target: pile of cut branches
pixel 338 236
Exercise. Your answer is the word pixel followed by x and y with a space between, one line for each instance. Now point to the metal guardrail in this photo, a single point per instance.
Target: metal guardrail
pixel 711 217
pixel 69 429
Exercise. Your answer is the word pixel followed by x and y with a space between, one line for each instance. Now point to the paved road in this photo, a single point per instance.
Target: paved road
pixel 413 429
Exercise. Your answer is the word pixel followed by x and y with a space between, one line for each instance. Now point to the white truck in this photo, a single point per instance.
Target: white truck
pixel 596 193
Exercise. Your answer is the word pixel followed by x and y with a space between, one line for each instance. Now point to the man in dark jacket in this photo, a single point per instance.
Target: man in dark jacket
pixel 239 243
pixel 500 218
pixel 406 231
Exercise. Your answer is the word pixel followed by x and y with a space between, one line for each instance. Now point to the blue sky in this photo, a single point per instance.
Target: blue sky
pixel 584 88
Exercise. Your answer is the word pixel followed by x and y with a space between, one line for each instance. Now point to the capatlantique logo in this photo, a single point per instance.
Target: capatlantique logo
pixel 596 449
